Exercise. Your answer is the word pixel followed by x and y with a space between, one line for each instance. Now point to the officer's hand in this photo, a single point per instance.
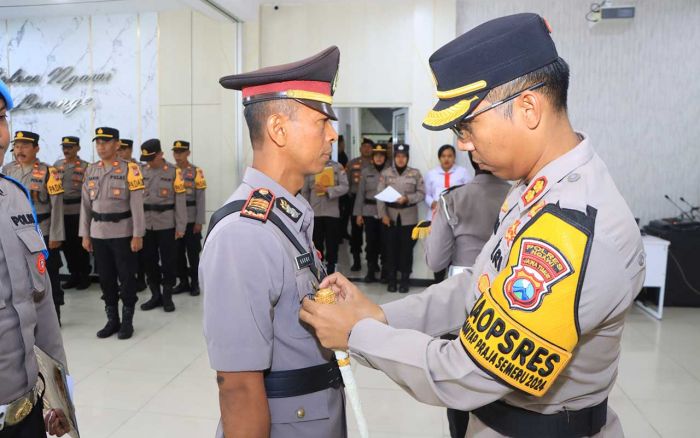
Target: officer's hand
pixel 386 220
pixel 320 189
pixel 136 244
pixel 56 422
pixel 402 200
pixel 179 235
pixel 347 292
pixel 87 244
pixel 54 244
pixel 360 221
pixel 197 228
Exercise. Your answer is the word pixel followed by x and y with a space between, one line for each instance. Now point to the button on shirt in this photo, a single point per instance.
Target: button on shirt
pixel 252 293
pixel 437 180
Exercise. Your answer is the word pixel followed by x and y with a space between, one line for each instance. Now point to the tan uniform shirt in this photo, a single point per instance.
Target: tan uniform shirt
pixel 114 188
pixel 365 204
pixel 464 222
pixel 72 176
pixel 27 313
pixel 44 184
pixel 195 185
pixel 410 184
pixel 583 300
pixel 354 170
pixel 164 188
pixel 326 205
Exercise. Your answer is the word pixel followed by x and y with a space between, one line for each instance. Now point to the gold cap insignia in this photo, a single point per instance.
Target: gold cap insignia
pixel 100 131
pixel 20 134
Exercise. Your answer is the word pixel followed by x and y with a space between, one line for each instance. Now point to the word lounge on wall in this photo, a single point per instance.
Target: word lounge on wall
pixel 63 77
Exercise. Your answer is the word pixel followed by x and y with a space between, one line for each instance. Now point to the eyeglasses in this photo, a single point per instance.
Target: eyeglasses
pixel 459 130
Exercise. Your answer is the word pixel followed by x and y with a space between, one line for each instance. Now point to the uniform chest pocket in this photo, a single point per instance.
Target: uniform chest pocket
pixel 35 259
pixel 305 285
pixel 77 177
pixel 117 190
pixel 164 191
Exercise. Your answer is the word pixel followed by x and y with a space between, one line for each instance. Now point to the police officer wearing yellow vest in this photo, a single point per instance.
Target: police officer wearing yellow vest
pixel 27 314
pixel 190 246
pixel 166 219
pixel 72 170
pixel 112 223
pixel 259 261
pixel 46 189
pixel 543 308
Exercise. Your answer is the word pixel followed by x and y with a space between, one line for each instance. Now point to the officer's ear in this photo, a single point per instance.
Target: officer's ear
pixel 277 126
pixel 529 108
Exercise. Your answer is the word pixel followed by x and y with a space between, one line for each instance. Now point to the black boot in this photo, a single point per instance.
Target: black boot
pixel 168 305
pixel 112 322
pixel 182 286
pixel 84 282
pixel 391 279
pixel 140 284
pixel 195 289
pixel 371 276
pixel 155 300
pixel 72 282
pixel 127 329
pixel 356 263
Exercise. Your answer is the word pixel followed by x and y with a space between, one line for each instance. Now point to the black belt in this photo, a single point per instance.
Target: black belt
pixel 42 217
pixel 69 201
pixel 191 203
pixel 398 206
pixel 370 201
pixel 111 217
pixel 157 207
pixel 292 383
pixel 517 422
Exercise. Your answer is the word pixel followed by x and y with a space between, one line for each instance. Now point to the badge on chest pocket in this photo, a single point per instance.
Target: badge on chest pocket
pixel 164 192
pixel 117 192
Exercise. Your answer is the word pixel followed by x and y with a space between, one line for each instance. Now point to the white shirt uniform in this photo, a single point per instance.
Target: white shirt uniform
pixel 437 181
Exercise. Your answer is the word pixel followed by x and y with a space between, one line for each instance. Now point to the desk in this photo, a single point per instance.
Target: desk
pixel 656 259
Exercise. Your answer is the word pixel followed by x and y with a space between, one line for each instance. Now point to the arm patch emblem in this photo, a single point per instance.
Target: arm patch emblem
pixel 199 182
pixel 134 177
pixel 54 185
pixel 258 205
pixel 179 183
pixel 524 327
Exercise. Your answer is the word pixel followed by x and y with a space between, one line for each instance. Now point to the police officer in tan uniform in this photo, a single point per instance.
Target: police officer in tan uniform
pixel 259 261
pixel 46 189
pixel 400 216
pixel 112 224
pixel 543 308
pixel 190 246
pixel 27 313
pixel 166 219
pixel 324 200
pixel 354 172
pixel 72 170
pixel 366 214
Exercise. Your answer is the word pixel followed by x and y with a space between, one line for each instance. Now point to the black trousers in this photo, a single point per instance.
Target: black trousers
pixel 53 265
pixel 77 258
pixel 327 238
pixel 345 204
pixel 355 233
pixel 188 250
pixel 399 249
pixel 31 427
pixel 159 245
pixel 374 236
pixel 114 259
pixel 458 420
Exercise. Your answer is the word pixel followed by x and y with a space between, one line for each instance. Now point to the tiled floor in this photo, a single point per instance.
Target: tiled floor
pixel 158 384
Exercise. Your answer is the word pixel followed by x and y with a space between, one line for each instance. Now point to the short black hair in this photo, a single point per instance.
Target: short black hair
pixel 555 76
pixel 444 147
pixel 256 115
pixel 368 141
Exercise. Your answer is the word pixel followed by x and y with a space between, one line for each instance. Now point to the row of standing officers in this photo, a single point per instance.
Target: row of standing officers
pixel 131 216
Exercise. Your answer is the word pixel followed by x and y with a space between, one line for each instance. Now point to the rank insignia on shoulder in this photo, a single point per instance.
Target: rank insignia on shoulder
pixel 533 191
pixel 258 205
pixel 288 209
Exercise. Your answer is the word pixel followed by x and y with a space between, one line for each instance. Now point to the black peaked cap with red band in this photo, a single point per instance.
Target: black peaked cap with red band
pixel 310 81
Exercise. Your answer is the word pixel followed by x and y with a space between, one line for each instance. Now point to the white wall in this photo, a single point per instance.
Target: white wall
pixel 123 46
pixel 634 91
pixel 195 51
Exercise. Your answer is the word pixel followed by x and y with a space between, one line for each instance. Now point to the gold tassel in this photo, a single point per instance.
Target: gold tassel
pixel 421 230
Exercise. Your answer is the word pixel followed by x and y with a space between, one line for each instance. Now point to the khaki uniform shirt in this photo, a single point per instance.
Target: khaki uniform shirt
pixel 72 176
pixel 164 187
pixel 252 293
pixel 545 278
pixel 112 189
pixel 464 222
pixel 354 169
pixel 410 184
pixel 44 185
pixel 27 313
pixel 195 185
pixel 369 181
pixel 326 205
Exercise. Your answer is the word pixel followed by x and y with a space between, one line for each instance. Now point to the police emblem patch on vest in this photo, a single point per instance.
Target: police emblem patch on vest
pixel 524 327
pixel 258 205
pixel 288 209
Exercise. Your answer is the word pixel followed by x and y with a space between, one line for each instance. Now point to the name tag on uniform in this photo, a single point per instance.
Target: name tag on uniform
pixel 304 260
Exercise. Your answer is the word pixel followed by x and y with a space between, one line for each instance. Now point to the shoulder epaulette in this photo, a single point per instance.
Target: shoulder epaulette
pixel 448 190
pixel 258 205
